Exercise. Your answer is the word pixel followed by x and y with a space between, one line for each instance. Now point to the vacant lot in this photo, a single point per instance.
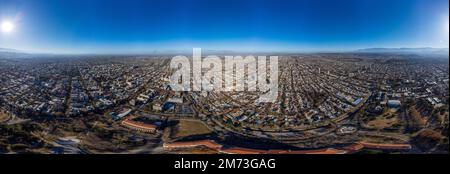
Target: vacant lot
pixel 416 118
pixel 385 121
pixel 186 128
pixel 3 116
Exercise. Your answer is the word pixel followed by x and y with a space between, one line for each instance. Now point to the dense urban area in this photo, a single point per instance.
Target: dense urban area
pixel 327 103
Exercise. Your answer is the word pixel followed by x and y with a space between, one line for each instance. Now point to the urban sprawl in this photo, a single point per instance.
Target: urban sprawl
pixel 327 103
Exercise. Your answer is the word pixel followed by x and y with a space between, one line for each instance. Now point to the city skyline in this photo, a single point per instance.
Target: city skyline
pixel 135 26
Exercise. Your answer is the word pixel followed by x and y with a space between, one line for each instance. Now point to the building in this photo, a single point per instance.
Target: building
pixel 124 113
pixel 189 144
pixel 168 106
pixel 157 107
pixel 178 100
pixel 394 103
pixel 147 128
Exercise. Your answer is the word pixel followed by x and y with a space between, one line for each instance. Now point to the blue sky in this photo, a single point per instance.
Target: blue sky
pixel 143 26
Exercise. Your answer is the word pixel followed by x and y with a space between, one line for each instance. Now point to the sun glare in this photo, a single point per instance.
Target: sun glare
pixel 7 27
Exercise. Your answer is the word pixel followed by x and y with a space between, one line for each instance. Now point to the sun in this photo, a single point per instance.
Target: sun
pixel 7 27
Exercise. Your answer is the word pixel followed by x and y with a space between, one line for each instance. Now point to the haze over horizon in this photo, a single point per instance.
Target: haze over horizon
pixel 137 26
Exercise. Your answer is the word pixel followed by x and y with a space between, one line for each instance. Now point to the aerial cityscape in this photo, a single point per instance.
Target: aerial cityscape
pixel 73 85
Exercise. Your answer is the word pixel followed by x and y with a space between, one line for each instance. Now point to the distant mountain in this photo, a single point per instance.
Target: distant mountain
pixel 8 50
pixel 12 53
pixel 424 50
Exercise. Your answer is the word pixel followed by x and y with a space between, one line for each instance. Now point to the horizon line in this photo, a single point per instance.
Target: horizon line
pixel 218 51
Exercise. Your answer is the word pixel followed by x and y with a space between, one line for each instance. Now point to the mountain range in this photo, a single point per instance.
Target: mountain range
pixel 7 52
